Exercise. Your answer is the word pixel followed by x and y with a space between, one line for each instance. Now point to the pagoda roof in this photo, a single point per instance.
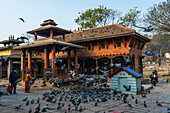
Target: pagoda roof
pixel 43 44
pixel 102 33
pixel 45 28
pixel 127 70
pixel 14 41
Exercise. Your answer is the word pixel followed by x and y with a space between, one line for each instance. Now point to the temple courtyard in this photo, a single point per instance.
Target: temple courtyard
pixel 160 93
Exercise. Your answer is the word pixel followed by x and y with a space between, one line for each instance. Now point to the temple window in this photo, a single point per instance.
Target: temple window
pixel 103 45
pixel 119 44
pixel 89 47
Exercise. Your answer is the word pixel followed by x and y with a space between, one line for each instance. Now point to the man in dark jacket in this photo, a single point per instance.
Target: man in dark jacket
pixel 12 79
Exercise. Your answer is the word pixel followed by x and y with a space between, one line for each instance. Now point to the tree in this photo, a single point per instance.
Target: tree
pixel 100 16
pixel 130 18
pixel 160 16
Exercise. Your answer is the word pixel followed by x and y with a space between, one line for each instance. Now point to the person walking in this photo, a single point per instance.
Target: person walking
pixel 27 80
pixel 12 79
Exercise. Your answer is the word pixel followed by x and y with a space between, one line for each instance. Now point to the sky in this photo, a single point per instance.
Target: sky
pixel 63 12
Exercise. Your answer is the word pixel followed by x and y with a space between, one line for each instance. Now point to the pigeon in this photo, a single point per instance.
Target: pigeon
pixel 118 65
pixel 5 59
pixel 146 29
pixel 25 99
pixel 143 95
pixel 80 109
pixel 136 101
pixel 64 48
pixel 129 105
pixel 159 104
pixel 69 107
pixel 44 110
pixel 37 111
pixel 47 73
pixel 132 96
pixel 127 60
pixel 18 107
pixel 21 19
pixel 78 66
pixel 48 107
pixel 111 65
pixel 60 105
pixel 38 100
pixel 23 38
pixel 95 103
pixel 27 103
pixel 60 56
pixel 63 66
pixel 97 67
pixel 54 101
pixel 38 107
pixel 145 104
pixel 45 50
pixel 168 110
pixel 72 63
pixel 32 101
pixel 30 110
pixel 127 87
pixel 106 63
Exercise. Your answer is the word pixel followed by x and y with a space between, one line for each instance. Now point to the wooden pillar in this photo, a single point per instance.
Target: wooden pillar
pixel 29 60
pixel 35 68
pixel 97 71
pixel 0 69
pixel 51 33
pixel 52 59
pixel 76 61
pixel 83 66
pixel 111 61
pixel 45 61
pixel 136 63
pixel 68 61
pixel 9 67
pixel 23 67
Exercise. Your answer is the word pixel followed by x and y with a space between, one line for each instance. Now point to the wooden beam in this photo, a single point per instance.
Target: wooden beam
pixel 129 41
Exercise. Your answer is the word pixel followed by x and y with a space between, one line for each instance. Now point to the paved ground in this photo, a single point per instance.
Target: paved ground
pixel 159 93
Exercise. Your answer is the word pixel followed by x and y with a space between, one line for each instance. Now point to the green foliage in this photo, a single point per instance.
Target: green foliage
pixel 159 14
pixel 130 18
pixel 100 16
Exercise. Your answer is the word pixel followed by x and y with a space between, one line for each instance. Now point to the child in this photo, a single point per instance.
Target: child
pixel 27 80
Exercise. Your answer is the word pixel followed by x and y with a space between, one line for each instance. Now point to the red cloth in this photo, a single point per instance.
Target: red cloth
pixel 156 74
pixel 27 90
pixel 9 88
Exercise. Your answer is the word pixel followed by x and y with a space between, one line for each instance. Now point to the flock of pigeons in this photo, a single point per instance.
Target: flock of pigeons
pixel 93 89
pixel 69 99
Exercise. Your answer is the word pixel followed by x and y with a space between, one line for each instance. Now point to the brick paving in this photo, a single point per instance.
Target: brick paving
pixel 159 93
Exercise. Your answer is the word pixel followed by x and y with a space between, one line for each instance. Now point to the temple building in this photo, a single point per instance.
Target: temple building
pixel 91 48
pixel 10 58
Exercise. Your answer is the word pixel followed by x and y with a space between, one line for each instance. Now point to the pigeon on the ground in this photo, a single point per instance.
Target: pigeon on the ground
pixel 136 101
pixel 145 104
pixel 30 110
pixel 18 107
pixel 159 104
pixel 25 99
pixel 27 103
pixel 32 101
pixel 129 105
